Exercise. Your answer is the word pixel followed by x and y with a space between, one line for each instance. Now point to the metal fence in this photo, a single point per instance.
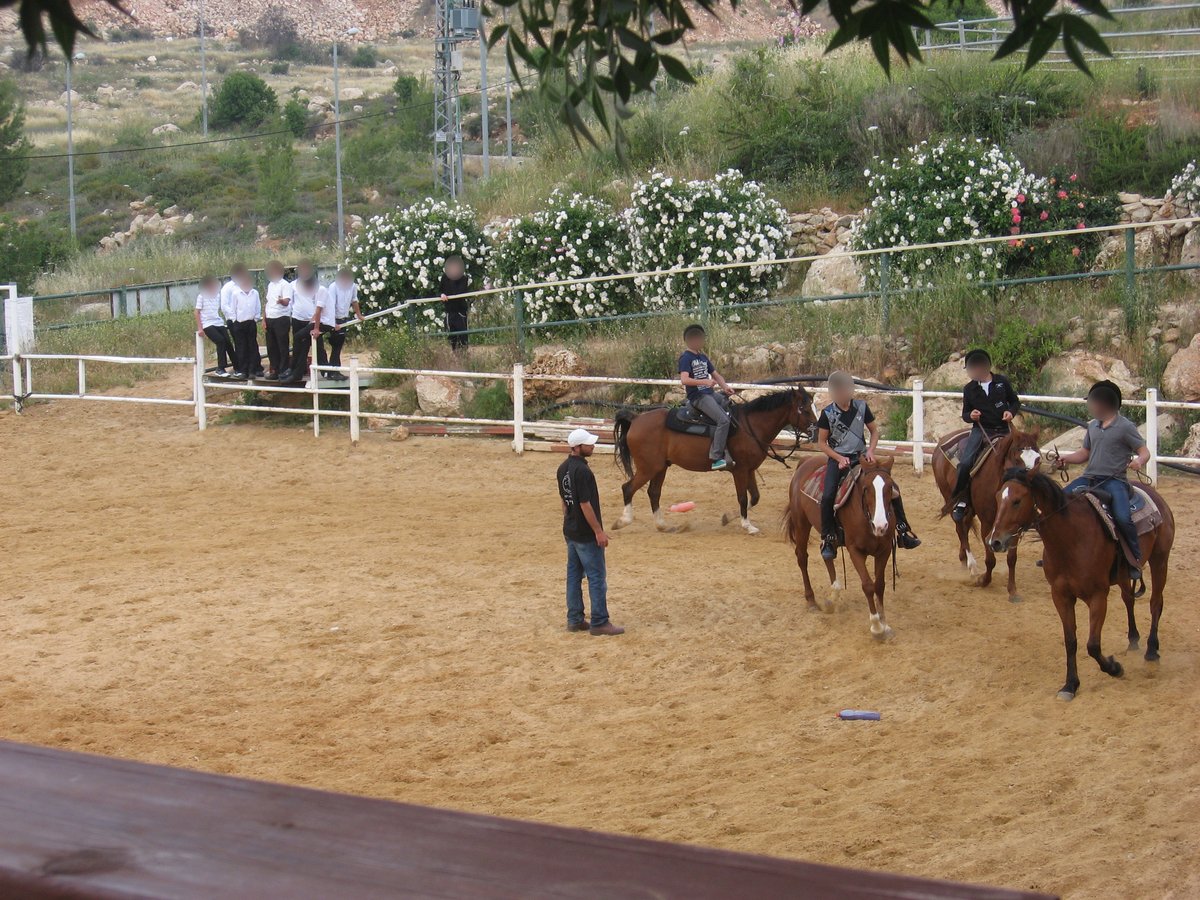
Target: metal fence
pixel 522 429
pixel 1135 42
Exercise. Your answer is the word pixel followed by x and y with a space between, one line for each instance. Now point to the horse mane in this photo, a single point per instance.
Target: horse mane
pixel 772 401
pixel 1038 483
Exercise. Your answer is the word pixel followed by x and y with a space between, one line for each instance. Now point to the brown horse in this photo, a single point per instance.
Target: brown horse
pixel 1081 561
pixel 1017 448
pixel 646 448
pixel 869 525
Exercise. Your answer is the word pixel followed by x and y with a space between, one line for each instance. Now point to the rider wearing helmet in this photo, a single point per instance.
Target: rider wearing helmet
pixel 842 435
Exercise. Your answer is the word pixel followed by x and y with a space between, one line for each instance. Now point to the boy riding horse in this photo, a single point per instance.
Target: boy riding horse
pixel 700 377
pixel 842 436
pixel 989 406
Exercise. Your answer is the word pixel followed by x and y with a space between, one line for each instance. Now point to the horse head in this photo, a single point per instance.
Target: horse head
pixel 803 415
pixel 876 491
pixel 1016 508
pixel 1023 452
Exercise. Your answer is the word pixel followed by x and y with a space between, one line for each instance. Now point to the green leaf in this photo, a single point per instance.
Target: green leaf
pixel 1040 45
pixel 677 69
pixel 1084 32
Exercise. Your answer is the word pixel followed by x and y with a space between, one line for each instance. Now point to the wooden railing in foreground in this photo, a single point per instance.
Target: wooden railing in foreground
pixel 76 825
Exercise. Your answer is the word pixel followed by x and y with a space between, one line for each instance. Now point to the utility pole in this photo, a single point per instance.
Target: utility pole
pixel 457 22
pixel 483 101
pixel 203 75
pixel 71 147
pixel 337 144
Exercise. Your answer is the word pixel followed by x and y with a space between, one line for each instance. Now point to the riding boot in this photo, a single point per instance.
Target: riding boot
pixel 904 533
pixel 829 547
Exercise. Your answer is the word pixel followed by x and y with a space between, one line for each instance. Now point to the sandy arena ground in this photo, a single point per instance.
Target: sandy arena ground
pixel 387 620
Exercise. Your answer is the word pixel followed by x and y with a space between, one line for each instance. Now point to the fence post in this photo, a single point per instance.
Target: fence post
pixel 962 35
pixel 1130 279
pixel 519 408
pixel 198 385
pixel 885 271
pixel 354 400
pixel 1152 434
pixel 18 384
pixel 519 319
pixel 123 303
pixel 314 381
pixel 704 298
pixel 82 378
pixel 918 425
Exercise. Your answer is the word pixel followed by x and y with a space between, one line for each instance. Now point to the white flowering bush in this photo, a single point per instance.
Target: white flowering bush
pixel 573 237
pixel 1185 188
pixel 947 191
pixel 673 223
pixel 401 255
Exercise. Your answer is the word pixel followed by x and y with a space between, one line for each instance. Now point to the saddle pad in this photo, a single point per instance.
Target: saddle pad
pixel 815 483
pixel 681 419
pixel 952 445
pixel 1146 514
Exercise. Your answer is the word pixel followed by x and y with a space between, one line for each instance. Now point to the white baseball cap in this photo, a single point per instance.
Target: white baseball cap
pixel 580 437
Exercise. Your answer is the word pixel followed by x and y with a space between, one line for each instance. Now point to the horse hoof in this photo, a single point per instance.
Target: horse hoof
pixel 1151 656
pixel 619 524
pixel 1014 598
pixel 1134 646
pixel 1066 696
pixel 885 635
pixel 726 518
pixel 1117 669
pixel 750 529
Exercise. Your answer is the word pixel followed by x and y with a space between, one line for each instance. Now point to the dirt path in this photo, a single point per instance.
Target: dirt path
pixel 387 620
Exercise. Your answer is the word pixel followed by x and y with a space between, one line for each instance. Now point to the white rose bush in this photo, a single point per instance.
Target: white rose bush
pixel 948 191
pixel 400 256
pixel 672 223
pixel 573 237
pixel 1185 189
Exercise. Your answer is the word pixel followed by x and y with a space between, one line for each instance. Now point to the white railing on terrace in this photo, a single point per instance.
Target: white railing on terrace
pixel 919 448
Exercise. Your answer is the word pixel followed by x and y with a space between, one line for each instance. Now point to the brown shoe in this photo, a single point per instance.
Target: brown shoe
pixel 606 628
pixel 577 626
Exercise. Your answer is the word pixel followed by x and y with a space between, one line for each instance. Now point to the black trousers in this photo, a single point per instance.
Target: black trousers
pixel 301 345
pixel 456 324
pixel 279 336
pixel 245 342
pixel 226 353
pixel 322 356
pixel 337 340
pixel 966 461
pixel 833 478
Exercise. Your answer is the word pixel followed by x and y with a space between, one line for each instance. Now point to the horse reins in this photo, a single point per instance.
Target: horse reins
pixel 766 448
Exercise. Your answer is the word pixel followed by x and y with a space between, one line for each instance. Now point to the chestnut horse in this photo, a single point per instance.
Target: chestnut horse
pixel 869 525
pixel 1017 448
pixel 646 448
pixel 1081 560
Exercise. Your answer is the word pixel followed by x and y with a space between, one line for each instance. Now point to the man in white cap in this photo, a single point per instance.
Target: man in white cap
pixel 585 537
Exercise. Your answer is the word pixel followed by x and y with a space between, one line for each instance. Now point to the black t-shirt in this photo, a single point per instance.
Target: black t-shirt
pixel 576 485
pixel 452 287
pixel 847 417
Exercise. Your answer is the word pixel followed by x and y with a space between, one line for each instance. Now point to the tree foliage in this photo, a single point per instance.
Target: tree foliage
pixel 242 99
pixel 13 145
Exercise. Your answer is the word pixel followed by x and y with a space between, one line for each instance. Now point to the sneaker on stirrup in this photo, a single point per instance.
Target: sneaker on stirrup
pixel 829 548
pixel 959 513
pixel 718 464
pixel 905 537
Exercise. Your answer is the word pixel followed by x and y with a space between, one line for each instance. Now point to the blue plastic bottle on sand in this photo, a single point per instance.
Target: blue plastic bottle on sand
pixel 864 714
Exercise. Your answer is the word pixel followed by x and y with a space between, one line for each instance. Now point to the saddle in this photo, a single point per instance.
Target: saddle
pixel 952 446
pixel 815 483
pixel 1145 513
pixel 687 420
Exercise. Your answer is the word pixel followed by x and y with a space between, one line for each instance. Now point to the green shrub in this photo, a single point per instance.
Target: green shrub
pixel 142 82
pixel 277 176
pixel 243 99
pixel 1019 349
pixel 364 57
pixel 1121 155
pixel 655 359
pixel 27 249
pixel 491 402
pixel 280 67
pixel 295 117
pixel 13 144
pixel 406 89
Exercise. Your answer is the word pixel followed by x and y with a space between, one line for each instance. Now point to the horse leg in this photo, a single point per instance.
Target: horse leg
pixel 881 561
pixel 1066 612
pixel 1158 576
pixel 1127 598
pixel 1097 610
pixel 803 531
pixel 1013 596
pixel 740 480
pixel 752 487
pixel 654 491
pixel 859 560
pixel 965 556
pixel 989 563
pixel 628 489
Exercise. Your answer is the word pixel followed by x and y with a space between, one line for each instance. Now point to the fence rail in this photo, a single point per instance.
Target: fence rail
pixel 918 448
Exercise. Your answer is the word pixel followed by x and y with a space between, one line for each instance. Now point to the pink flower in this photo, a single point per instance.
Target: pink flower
pixel 1014 230
pixel 1016 218
pixel 1080 225
pixel 1062 195
pixel 1020 198
pixel 1044 216
pixel 1074 251
pixel 1014 243
pixel 1074 177
pixel 1081 206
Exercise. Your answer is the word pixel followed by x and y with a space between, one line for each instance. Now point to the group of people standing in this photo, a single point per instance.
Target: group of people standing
pixel 295 314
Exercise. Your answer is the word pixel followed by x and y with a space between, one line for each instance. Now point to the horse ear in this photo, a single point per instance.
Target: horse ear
pixel 1036 431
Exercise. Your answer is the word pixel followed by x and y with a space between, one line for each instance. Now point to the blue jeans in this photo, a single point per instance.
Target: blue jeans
pixel 586 559
pixel 1118 488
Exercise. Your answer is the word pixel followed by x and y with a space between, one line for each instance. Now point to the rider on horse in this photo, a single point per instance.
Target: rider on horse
pixel 989 405
pixel 701 378
pixel 1112 444
pixel 842 436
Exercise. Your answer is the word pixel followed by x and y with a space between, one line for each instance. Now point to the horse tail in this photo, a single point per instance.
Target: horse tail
pixel 624 419
pixel 788 521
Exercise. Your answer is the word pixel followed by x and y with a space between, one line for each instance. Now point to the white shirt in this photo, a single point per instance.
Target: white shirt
pixel 210 310
pixel 986 385
pixel 304 304
pixel 328 307
pixel 276 291
pixel 227 290
pixel 343 298
pixel 243 306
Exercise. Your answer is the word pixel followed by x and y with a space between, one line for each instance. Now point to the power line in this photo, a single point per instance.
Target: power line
pixel 246 137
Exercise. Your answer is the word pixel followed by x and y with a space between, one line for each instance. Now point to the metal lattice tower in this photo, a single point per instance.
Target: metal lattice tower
pixel 457 23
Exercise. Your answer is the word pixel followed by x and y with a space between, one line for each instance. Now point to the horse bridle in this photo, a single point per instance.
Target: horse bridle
pixel 769 450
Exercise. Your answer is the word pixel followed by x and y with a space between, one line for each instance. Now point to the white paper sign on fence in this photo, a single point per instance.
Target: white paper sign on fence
pixel 18 323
